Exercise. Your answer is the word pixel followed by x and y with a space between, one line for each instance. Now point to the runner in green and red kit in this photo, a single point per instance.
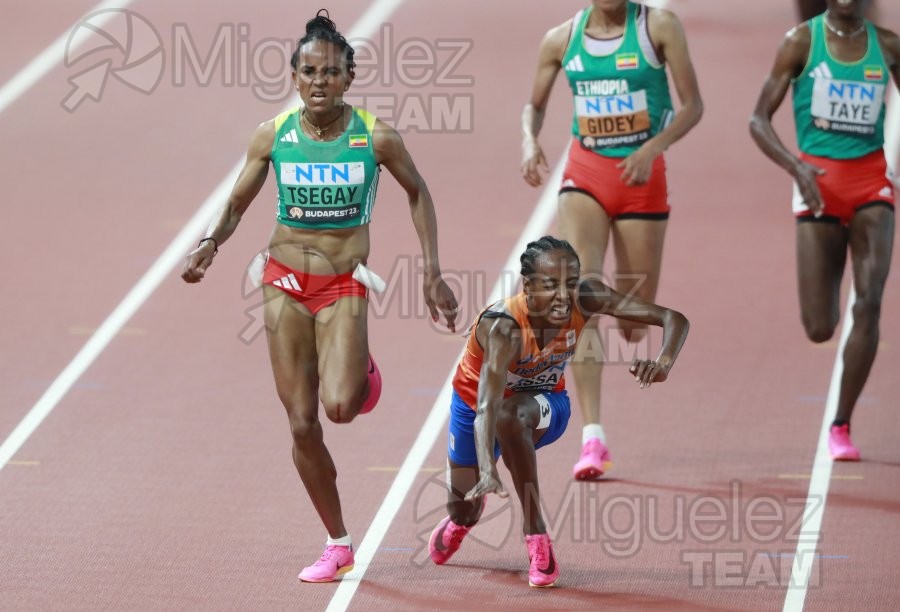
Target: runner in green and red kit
pixel 839 65
pixel 326 158
pixel 614 54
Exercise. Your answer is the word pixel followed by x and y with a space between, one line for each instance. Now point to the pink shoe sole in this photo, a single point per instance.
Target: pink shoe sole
pixel 594 461
pixel 339 573
pixel 846 457
pixel 591 472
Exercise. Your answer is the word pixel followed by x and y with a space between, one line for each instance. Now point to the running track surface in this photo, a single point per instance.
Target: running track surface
pixel 163 478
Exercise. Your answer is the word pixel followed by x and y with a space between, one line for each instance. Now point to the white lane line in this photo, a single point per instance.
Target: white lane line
pixel 817 495
pixel 158 272
pixel 437 418
pixel 820 479
pixel 95 345
pixel 53 55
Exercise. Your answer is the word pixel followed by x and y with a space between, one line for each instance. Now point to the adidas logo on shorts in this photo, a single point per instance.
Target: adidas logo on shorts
pixel 288 282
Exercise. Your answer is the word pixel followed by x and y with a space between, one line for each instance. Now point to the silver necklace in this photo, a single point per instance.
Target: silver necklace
pixel 841 33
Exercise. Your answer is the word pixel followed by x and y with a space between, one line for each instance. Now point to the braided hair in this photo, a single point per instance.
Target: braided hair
pixel 321 27
pixel 543 245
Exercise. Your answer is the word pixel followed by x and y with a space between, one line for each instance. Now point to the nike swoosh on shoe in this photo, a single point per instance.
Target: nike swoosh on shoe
pixel 551 567
pixel 439 539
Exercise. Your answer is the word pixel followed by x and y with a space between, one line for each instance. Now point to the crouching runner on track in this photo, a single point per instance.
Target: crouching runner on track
pixel 509 393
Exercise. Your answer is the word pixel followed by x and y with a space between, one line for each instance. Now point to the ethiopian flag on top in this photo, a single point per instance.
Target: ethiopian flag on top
pixel 359 140
pixel 873 73
pixel 626 61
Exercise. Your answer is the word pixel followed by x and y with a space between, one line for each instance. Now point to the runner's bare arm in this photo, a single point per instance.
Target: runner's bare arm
pixel 789 62
pixel 890 48
pixel 392 153
pixel 671 44
pixel 500 339
pixel 550 55
pixel 666 29
pixel 595 297
pixel 250 180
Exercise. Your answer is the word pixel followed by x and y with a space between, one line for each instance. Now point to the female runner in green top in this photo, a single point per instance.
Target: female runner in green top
pixel 326 159
pixel 838 64
pixel 615 55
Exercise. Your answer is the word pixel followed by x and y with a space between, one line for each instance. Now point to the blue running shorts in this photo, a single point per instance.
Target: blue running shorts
pixel 555 412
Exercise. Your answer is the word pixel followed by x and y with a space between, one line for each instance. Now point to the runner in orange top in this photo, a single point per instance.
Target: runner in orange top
pixel 536 368
pixel 509 393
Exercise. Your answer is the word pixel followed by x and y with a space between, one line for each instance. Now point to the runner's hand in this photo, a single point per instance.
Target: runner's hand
pixel 533 161
pixel 647 371
pixel 489 482
pixel 197 262
pixel 440 299
pixel 806 174
pixel 637 167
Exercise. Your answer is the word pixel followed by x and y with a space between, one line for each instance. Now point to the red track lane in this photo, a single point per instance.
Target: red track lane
pixel 744 405
pixel 29 27
pixel 143 506
pixel 164 480
pixel 109 186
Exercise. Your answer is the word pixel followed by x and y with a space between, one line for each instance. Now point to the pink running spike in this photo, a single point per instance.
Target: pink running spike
pixel 335 561
pixel 447 537
pixel 445 540
pixel 543 569
pixel 839 444
pixel 374 388
pixel 594 461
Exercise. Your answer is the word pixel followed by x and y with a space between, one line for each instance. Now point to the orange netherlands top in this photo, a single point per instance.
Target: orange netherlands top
pixel 535 369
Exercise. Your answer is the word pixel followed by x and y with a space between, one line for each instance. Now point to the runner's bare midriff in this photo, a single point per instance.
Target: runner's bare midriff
pixel 321 251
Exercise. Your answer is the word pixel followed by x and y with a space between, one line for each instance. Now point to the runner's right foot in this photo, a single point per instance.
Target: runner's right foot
pixel 543 570
pixel 595 460
pixel 335 561
pixel 839 444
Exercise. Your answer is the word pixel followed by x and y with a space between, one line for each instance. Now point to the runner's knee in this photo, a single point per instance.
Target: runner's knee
pixel 510 420
pixel 340 411
pixel 819 329
pixel 866 311
pixel 305 429
pixel 341 403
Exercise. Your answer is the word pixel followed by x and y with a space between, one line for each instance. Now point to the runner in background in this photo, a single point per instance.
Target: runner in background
pixel 614 54
pixel 839 66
